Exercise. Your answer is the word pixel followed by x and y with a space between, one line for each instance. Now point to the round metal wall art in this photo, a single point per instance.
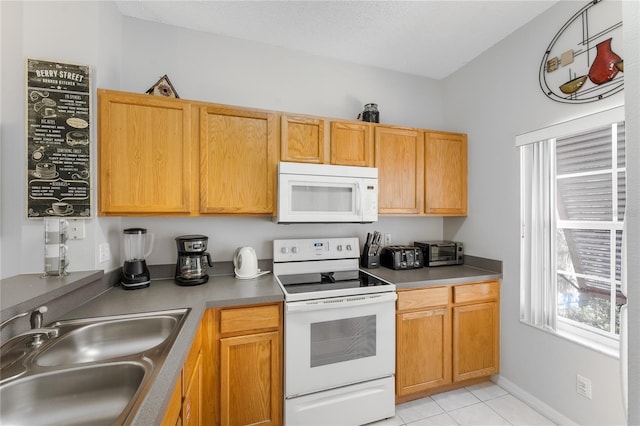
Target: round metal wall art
pixel 583 62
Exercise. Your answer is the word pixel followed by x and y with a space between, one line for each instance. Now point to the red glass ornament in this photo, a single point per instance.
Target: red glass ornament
pixel 604 67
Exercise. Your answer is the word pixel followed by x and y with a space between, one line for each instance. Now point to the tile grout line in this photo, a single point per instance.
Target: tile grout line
pixel 499 415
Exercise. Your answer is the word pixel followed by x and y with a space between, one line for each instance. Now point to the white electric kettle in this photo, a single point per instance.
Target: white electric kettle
pixel 245 262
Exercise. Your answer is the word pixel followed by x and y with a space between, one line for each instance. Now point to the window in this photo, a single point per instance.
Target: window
pixel 572 212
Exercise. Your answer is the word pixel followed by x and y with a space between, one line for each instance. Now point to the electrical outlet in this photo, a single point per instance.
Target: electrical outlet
pixel 104 253
pixel 387 239
pixel 75 230
pixel 583 386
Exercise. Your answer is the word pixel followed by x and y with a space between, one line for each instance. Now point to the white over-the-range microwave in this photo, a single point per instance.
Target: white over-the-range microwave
pixel 322 193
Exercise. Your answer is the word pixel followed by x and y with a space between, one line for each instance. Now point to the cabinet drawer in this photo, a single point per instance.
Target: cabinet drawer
pixel 466 293
pixel 236 320
pixel 423 298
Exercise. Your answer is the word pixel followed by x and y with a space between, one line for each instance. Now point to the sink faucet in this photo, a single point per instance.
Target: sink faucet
pixel 37 331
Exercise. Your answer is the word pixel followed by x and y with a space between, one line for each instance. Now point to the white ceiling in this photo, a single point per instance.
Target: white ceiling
pixel 427 38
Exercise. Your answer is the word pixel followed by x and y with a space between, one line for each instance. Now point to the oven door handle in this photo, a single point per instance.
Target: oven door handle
pixel 341 302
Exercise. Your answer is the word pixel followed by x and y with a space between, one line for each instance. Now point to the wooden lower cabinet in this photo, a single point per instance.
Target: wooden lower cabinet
pixel 243 366
pixel 476 330
pixel 185 405
pixel 424 335
pixel 192 400
pixel 249 375
pixel 446 337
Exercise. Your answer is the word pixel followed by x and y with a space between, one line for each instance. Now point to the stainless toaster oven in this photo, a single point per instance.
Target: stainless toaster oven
pixel 440 253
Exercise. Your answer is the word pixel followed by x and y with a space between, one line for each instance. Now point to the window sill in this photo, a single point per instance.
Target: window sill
pixel 600 343
pixel 606 346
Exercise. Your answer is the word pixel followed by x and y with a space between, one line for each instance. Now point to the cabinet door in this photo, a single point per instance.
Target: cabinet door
pixel 399 157
pixel 238 160
pixel 145 149
pixel 446 174
pixel 192 403
pixel 174 409
pixel 475 340
pixel 351 144
pixel 303 139
pixel 251 379
pixel 424 350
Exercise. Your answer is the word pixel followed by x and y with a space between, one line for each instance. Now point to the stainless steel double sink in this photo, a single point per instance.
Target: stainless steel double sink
pixel 96 371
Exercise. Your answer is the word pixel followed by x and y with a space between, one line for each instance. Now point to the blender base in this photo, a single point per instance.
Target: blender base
pixel 134 286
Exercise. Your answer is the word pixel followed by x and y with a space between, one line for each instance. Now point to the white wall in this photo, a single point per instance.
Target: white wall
pixel 77 32
pixel 231 71
pixel 631 13
pixel 130 54
pixel 494 98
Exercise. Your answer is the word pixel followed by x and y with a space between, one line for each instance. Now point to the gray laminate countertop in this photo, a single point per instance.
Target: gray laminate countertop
pixel 435 276
pixel 222 290
pixel 165 294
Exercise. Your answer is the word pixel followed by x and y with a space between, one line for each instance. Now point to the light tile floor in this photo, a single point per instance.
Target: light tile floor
pixel 482 404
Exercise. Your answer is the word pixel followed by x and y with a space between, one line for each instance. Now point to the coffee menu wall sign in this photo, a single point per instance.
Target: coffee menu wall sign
pixel 583 63
pixel 58 139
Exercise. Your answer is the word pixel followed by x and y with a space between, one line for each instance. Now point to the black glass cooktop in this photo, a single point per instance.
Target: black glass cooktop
pixel 316 282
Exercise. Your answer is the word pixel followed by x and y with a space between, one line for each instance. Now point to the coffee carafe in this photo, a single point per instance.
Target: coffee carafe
pixel 193 259
pixel 135 273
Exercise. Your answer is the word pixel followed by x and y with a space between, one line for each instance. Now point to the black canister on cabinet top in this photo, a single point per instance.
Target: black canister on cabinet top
pixel 370 114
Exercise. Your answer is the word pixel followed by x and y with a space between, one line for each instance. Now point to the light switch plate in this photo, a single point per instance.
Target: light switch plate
pixel 104 253
pixel 76 230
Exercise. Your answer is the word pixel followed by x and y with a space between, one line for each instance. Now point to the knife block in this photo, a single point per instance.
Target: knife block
pixel 367 261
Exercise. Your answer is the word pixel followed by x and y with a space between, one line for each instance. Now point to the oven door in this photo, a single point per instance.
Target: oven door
pixel 338 341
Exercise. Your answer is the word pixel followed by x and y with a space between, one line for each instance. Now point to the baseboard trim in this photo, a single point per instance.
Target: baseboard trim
pixel 532 401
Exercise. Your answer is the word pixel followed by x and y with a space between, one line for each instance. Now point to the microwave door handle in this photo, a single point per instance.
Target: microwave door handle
pixel 358 200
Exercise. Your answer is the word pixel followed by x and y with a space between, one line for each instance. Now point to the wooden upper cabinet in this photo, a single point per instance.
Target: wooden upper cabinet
pixel 399 157
pixel 238 160
pixel 446 174
pixel 303 139
pixel 351 143
pixel 146 153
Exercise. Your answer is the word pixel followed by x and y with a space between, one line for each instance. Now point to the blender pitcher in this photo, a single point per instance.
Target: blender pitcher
pixel 135 273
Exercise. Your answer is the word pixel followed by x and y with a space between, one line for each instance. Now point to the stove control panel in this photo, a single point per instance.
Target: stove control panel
pixel 298 250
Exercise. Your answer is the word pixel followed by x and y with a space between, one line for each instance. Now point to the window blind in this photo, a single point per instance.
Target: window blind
pixel 591 188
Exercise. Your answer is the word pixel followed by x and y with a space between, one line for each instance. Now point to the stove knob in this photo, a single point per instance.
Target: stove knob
pixel 284 250
pixel 339 247
pixel 349 248
pixel 294 249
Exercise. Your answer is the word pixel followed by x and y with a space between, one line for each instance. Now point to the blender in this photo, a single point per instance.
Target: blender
pixel 135 273
pixel 193 258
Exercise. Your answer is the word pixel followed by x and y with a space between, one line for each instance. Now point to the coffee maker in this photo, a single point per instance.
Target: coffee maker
pixel 193 259
pixel 135 273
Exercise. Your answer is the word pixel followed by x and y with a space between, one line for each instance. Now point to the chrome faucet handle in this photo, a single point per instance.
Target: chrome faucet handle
pixel 37 317
pixel 38 334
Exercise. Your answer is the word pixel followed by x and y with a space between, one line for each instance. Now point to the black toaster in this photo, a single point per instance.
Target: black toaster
pixel 401 257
